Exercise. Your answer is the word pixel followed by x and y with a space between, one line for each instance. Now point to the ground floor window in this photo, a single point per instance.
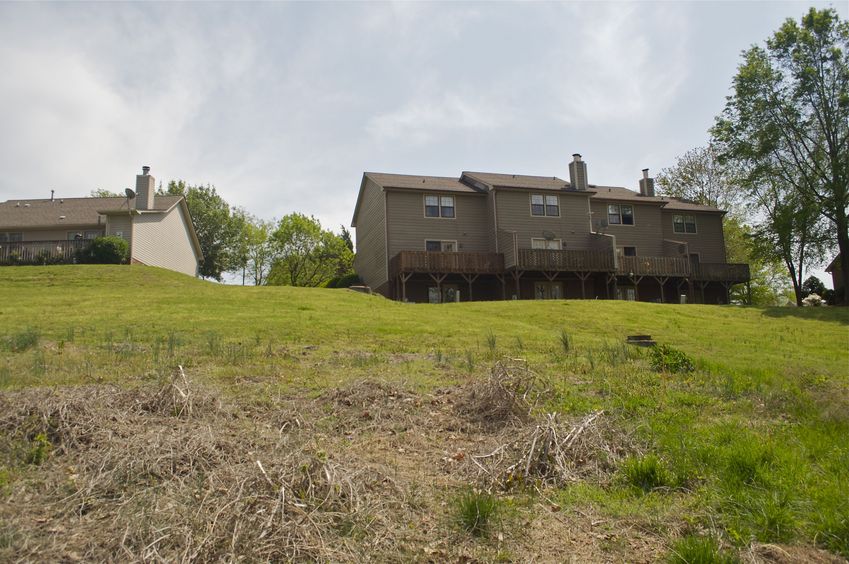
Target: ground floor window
pixel 15 237
pixel 628 251
pixel 547 244
pixel 548 290
pixel 448 293
pixel 435 246
pixel 627 293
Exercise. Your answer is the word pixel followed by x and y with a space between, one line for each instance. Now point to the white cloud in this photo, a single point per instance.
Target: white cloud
pixel 422 119
pixel 621 63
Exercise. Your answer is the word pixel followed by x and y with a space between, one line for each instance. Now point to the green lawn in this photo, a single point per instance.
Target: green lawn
pixel 753 445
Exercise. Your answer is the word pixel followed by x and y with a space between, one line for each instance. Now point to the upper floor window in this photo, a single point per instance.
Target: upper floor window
pixel 545 205
pixel 547 244
pixel 15 237
pixel 620 214
pixel 439 206
pixel 684 223
pixel 441 246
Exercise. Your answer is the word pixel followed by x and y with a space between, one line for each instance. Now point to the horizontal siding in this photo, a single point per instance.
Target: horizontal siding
pixel 645 234
pixel 370 260
pixel 409 228
pixel 119 224
pixel 164 240
pixel 572 227
pixel 708 240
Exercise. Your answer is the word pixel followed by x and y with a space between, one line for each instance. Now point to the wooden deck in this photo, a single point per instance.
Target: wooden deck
pixel 446 263
pixel 654 266
pixel 721 272
pixel 565 260
pixel 40 252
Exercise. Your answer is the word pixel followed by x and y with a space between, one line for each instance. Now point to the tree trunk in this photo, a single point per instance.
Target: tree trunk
pixel 843 247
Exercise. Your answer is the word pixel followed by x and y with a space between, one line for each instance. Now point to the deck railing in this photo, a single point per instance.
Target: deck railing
pixel 565 260
pixel 653 266
pixel 40 252
pixel 721 272
pixel 447 263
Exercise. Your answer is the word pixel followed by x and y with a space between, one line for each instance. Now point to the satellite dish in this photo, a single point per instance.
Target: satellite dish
pixel 130 194
pixel 548 235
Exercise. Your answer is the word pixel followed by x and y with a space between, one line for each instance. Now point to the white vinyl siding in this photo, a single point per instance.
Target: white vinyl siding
pixel 163 239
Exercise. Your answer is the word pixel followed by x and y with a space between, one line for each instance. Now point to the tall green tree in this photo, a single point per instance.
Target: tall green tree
pixel 768 277
pixel 306 254
pixel 698 176
pixel 787 120
pixel 214 223
pixel 254 250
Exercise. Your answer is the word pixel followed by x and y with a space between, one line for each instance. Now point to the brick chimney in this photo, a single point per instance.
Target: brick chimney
pixel 578 173
pixel 646 184
pixel 145 189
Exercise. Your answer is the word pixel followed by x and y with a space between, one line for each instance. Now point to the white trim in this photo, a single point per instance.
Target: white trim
pixel 544 205
pixel 684 223
pixel 620 224
pixel 441 242
pixel 439 206
pixel 559 242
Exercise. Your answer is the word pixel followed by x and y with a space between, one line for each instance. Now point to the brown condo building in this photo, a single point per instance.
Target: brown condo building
pixel 486 236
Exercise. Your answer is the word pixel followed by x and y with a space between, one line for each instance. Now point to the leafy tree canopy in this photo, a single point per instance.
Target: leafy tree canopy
pixel 306 254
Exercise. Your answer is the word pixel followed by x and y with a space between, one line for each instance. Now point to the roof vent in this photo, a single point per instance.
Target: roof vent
pixel 26 205
pixel 61 217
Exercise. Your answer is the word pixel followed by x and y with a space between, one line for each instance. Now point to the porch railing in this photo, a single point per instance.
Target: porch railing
pixel 653 266
pixel 565 260
pixel 40 252
pixel 721 272
pixel 447 262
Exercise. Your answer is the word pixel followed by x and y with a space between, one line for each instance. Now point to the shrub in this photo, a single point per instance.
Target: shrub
pixel 39 449
pixel 565 341
pixel 105 250
pixel 664 358
pixel 345 281
pixel 475 509
pixel 646 473
pixel 699 550
pixel 26 339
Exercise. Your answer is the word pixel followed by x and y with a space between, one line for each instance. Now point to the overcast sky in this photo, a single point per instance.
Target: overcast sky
pixel 282 106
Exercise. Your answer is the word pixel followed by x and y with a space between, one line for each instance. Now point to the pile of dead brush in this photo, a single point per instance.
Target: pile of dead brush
pixel 173 473
pixel 552 452
pixel 508 395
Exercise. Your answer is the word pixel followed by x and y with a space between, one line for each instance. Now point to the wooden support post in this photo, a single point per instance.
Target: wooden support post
pixel 661 280
pixel 469 278
pixel 727 286
pixel 516 275
pixel 608 279
pixel 404 278
pixel 583 277
pixel 635 280
pixel 438 278
pixel 503 285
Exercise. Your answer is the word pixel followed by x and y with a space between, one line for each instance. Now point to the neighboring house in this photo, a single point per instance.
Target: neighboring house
pixel 837 281
pixel 486 236
pixel 158 228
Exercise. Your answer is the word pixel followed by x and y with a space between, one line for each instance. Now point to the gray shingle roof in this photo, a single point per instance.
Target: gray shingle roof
pixel 519 180
pixel 413 182
pixel 22 214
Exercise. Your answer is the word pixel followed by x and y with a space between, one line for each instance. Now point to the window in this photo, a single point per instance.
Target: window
pixel 548 290
pixel 547 244
pixel 620 214
pixel 439 206
pixel 545 205
pixel 441 246
pixel 74 235
pixel 93 234
pixel 11 237
pixel 450 293
pixel 684 223
pixel 629 251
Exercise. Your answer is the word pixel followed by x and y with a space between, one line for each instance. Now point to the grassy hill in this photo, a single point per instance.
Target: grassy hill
pixel 746 451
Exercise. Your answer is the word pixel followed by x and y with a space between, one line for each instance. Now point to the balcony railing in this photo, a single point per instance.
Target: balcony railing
pixel 447 263
pixel 40 252
pixel 721 272
pixel 565 260
pixel 653 266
